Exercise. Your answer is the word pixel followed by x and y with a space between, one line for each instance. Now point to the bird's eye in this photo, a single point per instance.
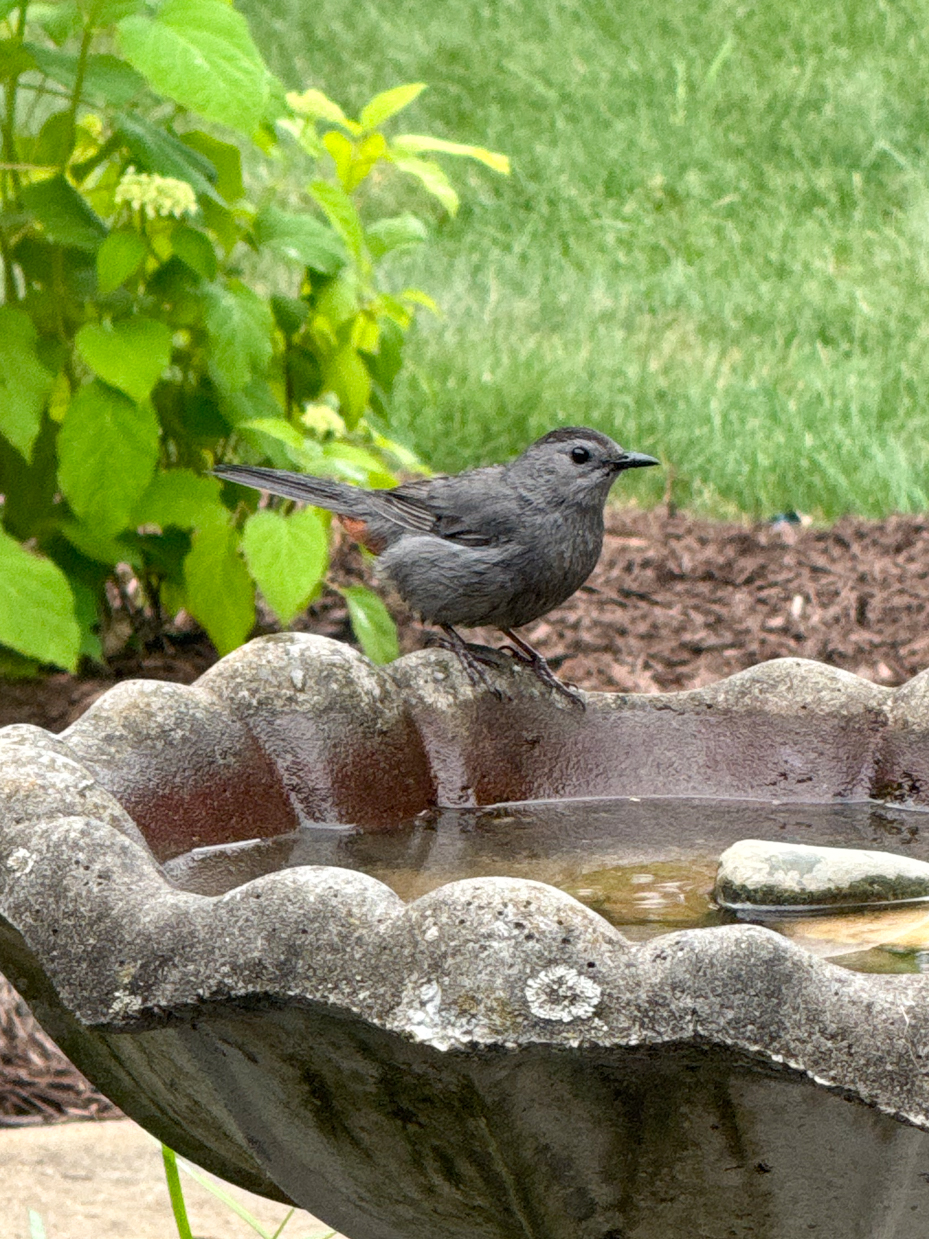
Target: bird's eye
pixel 580 455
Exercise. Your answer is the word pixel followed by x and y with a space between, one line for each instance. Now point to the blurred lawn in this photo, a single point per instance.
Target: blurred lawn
pixel 714 245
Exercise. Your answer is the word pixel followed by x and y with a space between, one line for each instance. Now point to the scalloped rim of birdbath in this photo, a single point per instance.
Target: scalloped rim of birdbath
pixel 488 962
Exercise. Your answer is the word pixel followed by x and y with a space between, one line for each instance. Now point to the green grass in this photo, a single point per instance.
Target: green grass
pixel 714 245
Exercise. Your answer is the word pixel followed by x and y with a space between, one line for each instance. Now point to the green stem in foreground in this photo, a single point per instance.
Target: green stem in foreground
pixel 10 183
pixel 86 40
pixel 11 178
pixel 176 1192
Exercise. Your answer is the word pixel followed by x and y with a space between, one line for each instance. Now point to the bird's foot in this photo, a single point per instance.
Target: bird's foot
pixel 522 652
pixel 472 657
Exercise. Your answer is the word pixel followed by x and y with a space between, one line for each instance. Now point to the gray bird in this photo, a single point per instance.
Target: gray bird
pixel 497 546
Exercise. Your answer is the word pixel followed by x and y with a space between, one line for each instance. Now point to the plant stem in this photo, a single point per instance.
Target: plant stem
pixel 9 283
pixel 86 40
pixel 10 183
pixel 176 1192
pixel 9 115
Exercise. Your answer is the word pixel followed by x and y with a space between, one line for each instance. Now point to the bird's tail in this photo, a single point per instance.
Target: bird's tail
pixel 326 493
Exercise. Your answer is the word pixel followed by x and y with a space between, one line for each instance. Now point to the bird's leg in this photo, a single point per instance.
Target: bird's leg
pixel 524 653
pixel 470 660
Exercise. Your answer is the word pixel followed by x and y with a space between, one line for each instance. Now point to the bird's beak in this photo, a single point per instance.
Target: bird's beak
pixel 633 460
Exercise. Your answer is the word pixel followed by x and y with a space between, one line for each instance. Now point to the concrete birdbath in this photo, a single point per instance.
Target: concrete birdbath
pixel 237 908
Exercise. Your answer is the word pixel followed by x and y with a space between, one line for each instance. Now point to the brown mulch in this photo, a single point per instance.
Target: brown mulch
pixel 682 602
pixel 675 603
pixel 37 1083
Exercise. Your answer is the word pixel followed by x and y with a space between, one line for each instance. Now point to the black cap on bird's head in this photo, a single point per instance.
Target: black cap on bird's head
pixel 579 461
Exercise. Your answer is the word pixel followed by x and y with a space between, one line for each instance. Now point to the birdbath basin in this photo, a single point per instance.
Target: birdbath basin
pixel 372 940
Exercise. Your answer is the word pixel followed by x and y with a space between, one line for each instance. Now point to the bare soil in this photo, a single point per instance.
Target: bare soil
pixel 675 603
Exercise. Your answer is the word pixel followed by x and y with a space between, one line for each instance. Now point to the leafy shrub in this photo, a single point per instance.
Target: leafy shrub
pixel 156 319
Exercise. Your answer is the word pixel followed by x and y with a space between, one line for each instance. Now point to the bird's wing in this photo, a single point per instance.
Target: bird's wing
pixel 464 508
pixel 411 511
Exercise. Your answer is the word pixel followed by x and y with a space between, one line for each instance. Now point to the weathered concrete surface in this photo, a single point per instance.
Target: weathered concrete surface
pixel 493 1059
pixel 183 766
pixel 790 729
pixel 335 726
pixel 407 1070
pixel 295 728
pixel 759 873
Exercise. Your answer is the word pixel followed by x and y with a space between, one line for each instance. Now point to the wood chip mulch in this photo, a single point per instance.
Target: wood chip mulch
pixel 675 603
pixel 37 1083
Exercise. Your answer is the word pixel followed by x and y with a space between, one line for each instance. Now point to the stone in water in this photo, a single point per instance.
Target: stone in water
pixel 757 873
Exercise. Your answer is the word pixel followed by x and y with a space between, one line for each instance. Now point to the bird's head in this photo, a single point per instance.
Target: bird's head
pixel 574 465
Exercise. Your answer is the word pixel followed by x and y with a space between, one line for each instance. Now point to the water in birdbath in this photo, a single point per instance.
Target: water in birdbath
pixel 646 865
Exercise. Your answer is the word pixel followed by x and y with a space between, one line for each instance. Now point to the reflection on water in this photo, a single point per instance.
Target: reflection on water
pixel 648 866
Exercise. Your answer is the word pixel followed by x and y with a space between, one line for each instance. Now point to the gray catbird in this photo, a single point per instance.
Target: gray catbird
pixel 499 545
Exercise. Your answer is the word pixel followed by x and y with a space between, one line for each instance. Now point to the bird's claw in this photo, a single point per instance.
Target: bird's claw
pixel 521 652
pixel 471 657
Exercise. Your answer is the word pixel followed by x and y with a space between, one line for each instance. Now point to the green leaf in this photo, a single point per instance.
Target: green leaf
pixel 63 213
pixel 277 428
pixel 256 401
pixel 338 301
pixel 222 221
pixel 159 150
pixel 195 248
pixel 287 556
pixel 120 256
pixel 356 464
pixel 181 498
pixel 107 451
pixel 109 12
pixel 388 103
pixel 102 548
pixel 130 354
pixel 432 177
pixel 372 624
pixel 15 666
pixel 30 488
pixel 290 313
pixel 56 19
pixel 15 59
pixel 218 591
pixel 341 149
pixel 55 141
pixel 315 104
pixel 278 440
pixel 24 381
pixel 301 238
pixel 87 614
pixel 347 375
pixel 107 78
pixel 303 375
pixel 239 324
pixel 36 607
pixel 340 211
pixel 200 54
pixel 224 157
pixel 397 232
pixel 418 142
